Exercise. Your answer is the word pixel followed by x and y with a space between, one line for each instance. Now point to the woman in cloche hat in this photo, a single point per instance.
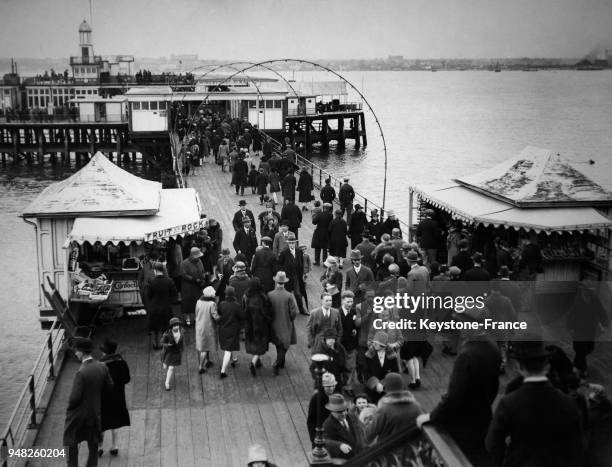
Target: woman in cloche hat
pixel 173 343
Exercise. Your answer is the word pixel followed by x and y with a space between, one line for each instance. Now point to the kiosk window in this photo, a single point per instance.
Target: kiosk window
pixel 135 105
pixel 161 105
pixel 145 105
pixel 153 105
pixel 278 104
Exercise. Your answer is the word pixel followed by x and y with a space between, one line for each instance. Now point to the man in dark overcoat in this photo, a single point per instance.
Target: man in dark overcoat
pixel 83 415
pixel 240 177
pixel 242 213
pixel 263 265
pixel 292 214
pixel 357 225
pixel 305 187
pixel 291 260
pixel 465 410
pixel 245 240
pixel 543 425
pixel 288 184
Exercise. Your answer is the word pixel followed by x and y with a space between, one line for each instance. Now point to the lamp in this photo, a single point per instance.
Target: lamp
pixel 320 456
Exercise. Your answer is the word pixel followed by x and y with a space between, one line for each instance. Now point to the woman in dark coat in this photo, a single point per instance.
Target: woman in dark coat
pixel 161 292
pixel 173 342
pixel 274 184
pixel 228 327
pixel 320 236
pixel 337 236
pixel 305 187
pixel 261 184
pixel 258 322
pixel 114 408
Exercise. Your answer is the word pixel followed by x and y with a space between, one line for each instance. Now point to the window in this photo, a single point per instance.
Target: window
pixel 153 105
pixel 145 105
pixel 252 104
pixel 95 91
pixel 30 102
pixel 135 105
pixel 269 104
pixel 162 105
pixel 278 104
pixel 89 91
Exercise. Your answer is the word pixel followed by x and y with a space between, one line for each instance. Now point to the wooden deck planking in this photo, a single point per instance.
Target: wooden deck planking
pixel 208 421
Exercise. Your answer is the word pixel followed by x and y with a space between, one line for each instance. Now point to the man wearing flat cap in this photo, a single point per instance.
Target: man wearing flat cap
pixel 83 415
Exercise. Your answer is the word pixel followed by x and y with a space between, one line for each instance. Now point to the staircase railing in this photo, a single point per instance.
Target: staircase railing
pixel 430 447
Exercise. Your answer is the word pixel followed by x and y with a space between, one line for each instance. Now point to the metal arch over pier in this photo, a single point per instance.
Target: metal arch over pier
pixel 264 64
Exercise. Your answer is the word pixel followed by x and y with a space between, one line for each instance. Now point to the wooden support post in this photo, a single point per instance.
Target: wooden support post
pixel 355 121
pixel 39 140
pixel 134 158
pixel 364 136
pixel 66 153
pixel 341 144
pixel 15 135
pixel 410 209
pixel 291 133
pixel 307 138
pixel 92 142
pixel 118 147
pixel 325 133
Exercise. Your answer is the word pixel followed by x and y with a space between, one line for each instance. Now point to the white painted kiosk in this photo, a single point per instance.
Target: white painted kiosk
pixel 99 217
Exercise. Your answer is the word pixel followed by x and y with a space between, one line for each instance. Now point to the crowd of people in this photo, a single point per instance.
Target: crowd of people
pixel 371 376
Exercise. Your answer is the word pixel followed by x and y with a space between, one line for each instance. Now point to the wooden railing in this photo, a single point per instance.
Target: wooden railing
pixel 430 447
pixel 30 407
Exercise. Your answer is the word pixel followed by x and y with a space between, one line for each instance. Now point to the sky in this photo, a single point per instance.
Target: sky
pixel 309 29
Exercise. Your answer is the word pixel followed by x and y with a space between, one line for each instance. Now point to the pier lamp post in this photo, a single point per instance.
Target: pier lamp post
pixel 320 456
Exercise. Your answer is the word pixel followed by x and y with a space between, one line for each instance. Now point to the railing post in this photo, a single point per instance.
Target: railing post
pixel 33 423
pixel 51 375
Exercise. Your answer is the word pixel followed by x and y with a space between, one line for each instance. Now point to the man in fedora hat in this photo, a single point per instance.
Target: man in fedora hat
pixel 379 360
pixel 280 243
pixel 465 409
pixel 329 383
pixel 366 247
pixel 83 415
pixel 375 226
pixel 346 195
pixel 391 223
pixel 323 318
pixel 342 430
pixel 429 235
pixel 397 410
pixel 357 276
pixel 269 213
pixel 245 240
pixel 241 214
pixel 542 424
pixel 357 225
pixel 284 312
pixel 192 281
pixel 418 276
pixel 291 261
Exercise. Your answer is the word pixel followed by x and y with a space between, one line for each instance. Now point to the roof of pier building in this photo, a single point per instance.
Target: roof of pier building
pixel 537 177
pixel 100 189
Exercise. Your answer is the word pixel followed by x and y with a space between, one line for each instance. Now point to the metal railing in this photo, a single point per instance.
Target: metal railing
pixel 178 157
pixel 44 117
pixel 319 175
pixel 29 408
pixel 428 448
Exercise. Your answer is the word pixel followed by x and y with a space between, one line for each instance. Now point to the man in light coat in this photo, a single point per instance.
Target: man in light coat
pixel 284 311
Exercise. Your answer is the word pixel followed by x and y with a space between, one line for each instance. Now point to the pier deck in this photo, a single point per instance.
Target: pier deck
pixel 206 421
